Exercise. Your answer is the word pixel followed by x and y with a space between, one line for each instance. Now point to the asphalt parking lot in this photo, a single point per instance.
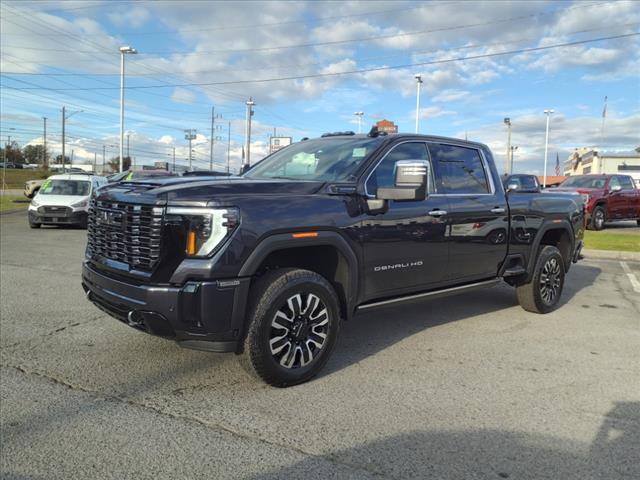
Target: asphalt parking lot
pixel 462 387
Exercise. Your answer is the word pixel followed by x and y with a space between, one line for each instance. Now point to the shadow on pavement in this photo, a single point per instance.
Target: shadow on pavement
pixel 495 454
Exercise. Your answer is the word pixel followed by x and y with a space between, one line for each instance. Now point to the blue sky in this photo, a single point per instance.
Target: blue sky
pixel 66 53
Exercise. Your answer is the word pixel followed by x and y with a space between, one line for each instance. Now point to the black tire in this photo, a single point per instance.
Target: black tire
pixel 34 225
pixel 543 293
pixel 598 217
pixel 270 340
pixel 638 222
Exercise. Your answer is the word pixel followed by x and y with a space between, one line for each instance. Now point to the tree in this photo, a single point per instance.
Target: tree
pixel 114 163
pixel 34 154
pixel 12 153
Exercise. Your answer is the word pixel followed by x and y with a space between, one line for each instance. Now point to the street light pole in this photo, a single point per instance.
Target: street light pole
pixel 247 161
pixel 359 115
pixel 44 150
pixel 229 147
pixel 123 52
pixel 418 78
pixel 65 117
pixel 190 135
pixel 509 161
pixel 548 113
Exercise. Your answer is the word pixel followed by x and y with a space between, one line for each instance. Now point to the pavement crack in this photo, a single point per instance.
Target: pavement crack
pixel 54 332
pixel 330 457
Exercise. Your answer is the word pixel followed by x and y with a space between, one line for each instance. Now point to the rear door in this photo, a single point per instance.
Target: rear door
pixel 405 248
pixel 478 217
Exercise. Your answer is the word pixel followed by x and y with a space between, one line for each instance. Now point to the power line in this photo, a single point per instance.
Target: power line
pixel 363 70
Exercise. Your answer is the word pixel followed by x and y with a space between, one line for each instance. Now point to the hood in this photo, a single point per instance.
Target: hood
pixel 587 191
pixel 203 190
pixel 59 200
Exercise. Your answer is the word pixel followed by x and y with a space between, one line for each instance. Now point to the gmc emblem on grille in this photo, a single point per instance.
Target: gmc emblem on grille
pixel 109 218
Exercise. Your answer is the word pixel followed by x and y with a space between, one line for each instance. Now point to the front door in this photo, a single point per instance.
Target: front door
pixel 478 213
pixel 616 203
pixel 405 249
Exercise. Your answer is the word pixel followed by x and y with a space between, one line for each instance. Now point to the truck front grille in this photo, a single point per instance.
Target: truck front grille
pixel 125 233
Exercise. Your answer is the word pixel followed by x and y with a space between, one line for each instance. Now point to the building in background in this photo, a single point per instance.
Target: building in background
pixel 552 180
pixel 276 143
pixel 588 160
pixel 387 126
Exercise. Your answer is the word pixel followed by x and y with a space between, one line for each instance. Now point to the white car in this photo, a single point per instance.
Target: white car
pixel 64 200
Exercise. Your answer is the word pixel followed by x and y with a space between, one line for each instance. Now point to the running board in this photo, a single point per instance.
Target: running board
pixel 433 294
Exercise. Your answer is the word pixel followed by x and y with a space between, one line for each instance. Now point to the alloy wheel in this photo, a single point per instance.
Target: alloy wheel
pixel 550 279
pixel 299 330
pixel 599 219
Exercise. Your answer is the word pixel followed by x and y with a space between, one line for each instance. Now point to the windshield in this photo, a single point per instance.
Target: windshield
pixel 65 187
pixel 326 159
pixel 586 181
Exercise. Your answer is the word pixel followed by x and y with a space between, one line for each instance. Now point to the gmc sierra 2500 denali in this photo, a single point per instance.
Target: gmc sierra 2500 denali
pixel 269 263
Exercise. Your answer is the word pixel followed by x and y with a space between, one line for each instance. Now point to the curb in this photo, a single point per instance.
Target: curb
pixel 13 210
pixel 611 255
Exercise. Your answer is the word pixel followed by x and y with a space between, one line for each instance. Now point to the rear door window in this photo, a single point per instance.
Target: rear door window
pixel 461 170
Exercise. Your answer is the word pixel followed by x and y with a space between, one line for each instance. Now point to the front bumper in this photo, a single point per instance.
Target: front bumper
pixel 200 315
pixel 58 218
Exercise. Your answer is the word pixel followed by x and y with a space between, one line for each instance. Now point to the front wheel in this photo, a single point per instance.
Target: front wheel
pixel 34 224
pixel 598 218
pixel 294 319
pixel 542 294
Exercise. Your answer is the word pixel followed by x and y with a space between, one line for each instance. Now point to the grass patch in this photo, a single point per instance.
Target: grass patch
pixel 622 242
pixel 16 178
pixel 7 202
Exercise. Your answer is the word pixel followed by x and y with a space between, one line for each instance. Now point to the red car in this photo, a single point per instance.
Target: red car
pixel 606 197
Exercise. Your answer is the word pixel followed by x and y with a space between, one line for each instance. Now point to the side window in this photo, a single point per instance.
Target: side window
pixel 460 169
pixel 627 183
pixel 384 174
pixel 613 183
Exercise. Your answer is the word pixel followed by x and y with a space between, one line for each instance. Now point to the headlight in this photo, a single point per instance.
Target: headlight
pixel 206 228
pixel 81 204
pixel 34 203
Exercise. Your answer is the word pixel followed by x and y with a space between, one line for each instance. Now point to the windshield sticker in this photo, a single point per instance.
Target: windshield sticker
pixel 46 186
pixel 130 176
pixel 359 152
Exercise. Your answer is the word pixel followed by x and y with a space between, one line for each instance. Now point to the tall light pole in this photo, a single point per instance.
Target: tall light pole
pixel 190 135
pixel 509 164
pixel 418 78
pixel 44 148
pixel 548 113
pixel 359 115
pixel 247 140
pixel 123 52
pixel 66 117
pixel 229 147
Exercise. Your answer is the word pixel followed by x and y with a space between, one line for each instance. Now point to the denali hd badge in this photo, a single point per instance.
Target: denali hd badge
pixel 383 268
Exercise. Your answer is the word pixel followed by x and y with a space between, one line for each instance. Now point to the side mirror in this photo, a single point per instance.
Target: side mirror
pixel 412 181
pixel 511 187
pixel 617 188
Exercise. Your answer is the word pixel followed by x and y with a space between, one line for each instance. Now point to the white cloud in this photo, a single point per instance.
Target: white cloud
pixel 131 15
pixel 182 95
pixel 434 112
pixel 451 95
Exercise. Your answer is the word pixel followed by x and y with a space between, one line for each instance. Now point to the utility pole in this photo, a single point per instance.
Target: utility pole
pixel 103 158
pixel 247 160
pixel 418 78
pixel 190 135
pixel 128 144
pixel 548 113
pixel 509 165
pixel 212 140
pixel 229 147
pixel 63 120
pixel 95 162
pixel 174 159
pixel 44 150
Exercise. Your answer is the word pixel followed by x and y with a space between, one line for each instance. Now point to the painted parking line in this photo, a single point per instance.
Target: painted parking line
pixel 631 276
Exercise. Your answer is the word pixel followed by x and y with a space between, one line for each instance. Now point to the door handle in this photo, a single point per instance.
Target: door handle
pixel 437 213
pixel 497 210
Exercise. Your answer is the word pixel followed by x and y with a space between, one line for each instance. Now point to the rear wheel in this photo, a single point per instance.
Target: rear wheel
pixel 542 294
pixel 294 320
pixel 598 218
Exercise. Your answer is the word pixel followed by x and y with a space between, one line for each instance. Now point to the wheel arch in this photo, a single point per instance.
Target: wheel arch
pixel 326 253
pixel 557 233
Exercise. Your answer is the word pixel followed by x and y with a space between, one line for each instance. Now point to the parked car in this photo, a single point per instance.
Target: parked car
pixel 64 200
pixel 520 183
pixel 606 197
pixel 10 165
pixel 137 175
pixel 267 265
pixel 31 187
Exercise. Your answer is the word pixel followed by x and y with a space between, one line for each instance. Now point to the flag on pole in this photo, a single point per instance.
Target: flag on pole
pixel 557 164
pixel 604 110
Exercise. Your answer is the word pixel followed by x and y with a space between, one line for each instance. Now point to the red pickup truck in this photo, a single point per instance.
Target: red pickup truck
pixel 606 197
